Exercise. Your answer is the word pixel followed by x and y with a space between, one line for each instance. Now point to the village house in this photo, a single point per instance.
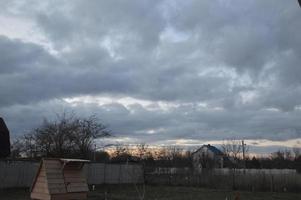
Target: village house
pixel 207 156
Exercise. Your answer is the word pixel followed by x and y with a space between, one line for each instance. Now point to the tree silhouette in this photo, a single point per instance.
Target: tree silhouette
pixel 67 136
pixel 4 140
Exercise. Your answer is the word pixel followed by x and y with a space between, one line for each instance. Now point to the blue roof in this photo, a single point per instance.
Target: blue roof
pixel 214 149
pixel 211 148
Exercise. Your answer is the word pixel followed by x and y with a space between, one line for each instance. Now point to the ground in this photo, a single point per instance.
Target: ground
pixel 130 192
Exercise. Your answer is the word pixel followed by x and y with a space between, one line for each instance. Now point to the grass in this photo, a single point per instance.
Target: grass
pixel 14 194
pixel 183 193
pixel 129 192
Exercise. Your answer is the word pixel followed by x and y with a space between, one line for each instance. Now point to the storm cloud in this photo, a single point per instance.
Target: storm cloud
pixel 155 71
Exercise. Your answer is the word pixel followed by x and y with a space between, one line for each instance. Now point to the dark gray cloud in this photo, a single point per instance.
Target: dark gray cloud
pixel 17 56
pixel 171 70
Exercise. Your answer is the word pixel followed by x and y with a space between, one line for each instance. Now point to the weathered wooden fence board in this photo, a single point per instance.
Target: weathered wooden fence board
pixel 250 179
pixel 18 174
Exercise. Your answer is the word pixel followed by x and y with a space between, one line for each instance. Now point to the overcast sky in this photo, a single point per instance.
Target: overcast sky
pixel 161 72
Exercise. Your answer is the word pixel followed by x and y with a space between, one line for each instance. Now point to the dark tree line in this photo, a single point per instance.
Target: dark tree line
pixel 282 159
pixel 70 136
pixel 169 156
pixel 177 157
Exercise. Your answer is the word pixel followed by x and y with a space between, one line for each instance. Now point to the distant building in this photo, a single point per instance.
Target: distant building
pixel 207 156
pixel 4 140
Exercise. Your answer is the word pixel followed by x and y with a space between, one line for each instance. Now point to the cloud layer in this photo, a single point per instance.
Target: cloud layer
pixel 156 71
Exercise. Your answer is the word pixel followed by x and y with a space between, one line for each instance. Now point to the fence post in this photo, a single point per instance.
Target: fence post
pixel 233 179
pixel 104 173
pixel 119 177
pixel 272 183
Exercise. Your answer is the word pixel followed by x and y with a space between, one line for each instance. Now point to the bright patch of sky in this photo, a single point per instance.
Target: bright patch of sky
pixel 25 30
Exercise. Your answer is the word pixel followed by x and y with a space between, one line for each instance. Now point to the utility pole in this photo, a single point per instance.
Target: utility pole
pixel 94 153
pixel 243 153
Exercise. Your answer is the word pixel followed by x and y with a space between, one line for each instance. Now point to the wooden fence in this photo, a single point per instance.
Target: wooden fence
pixel 20 174
pixel 251 179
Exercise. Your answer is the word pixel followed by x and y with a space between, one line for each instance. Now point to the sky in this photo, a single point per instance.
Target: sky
pixel 161 72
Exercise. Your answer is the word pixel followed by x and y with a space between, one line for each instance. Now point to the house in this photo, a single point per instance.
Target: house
pixel 59 179
pixel 4 140
pixel 207 156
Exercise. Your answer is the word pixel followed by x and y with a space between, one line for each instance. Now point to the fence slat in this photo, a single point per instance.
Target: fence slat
pixel 20 174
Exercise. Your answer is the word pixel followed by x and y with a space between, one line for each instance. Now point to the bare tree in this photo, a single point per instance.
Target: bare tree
pixel 67 136
pixel 17 147
pixel 232 148
pixel 297 152
pixel 121 153
pixel 288 154
pixel 29 145
pixel 88 130
pixel 278 155
pixel 142 150
pixel 236 151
